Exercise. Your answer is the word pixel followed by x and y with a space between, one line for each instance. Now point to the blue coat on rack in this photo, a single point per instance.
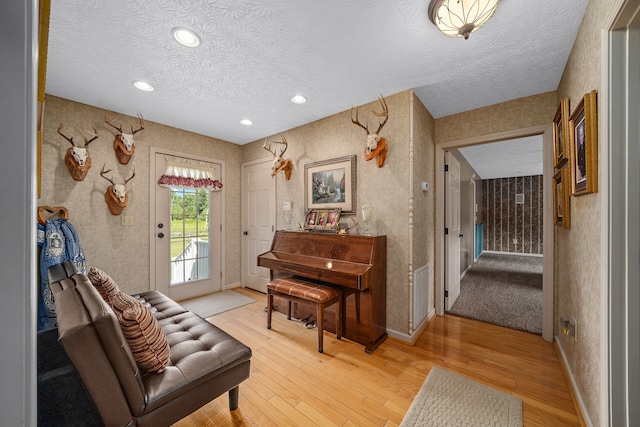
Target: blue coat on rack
pixel 59 242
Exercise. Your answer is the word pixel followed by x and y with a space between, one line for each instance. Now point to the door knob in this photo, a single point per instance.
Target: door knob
pixel 460 235
pixel 161 235
pixel 246 233
pixel 160 225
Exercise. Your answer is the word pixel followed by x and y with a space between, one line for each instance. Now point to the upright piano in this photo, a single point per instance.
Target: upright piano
pixel 356 264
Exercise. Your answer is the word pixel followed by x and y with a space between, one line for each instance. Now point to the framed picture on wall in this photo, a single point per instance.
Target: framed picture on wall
pixel 561 134
pixel 331 184
pixel 583 127
pixel 561 202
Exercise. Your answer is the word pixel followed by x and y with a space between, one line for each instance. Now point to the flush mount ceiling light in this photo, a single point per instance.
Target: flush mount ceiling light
pixel 298 99
pixel 143 86
pixel 459 18
pixel 186 37
pixel 246 122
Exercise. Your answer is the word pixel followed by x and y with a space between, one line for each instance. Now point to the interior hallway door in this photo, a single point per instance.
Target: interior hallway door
pixel 452 229
pixel 258 221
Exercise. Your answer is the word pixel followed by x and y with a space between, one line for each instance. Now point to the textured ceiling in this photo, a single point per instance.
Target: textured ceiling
pixel 518 157
pixel 256 54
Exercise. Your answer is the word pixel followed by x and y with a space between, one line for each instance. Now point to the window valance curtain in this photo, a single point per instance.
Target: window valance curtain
pixel 187 173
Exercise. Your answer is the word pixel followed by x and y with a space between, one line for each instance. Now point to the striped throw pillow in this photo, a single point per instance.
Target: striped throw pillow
pixel 103 283
pixel 146 339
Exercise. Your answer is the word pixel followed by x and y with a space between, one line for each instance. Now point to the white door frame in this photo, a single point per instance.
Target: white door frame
pixel 548 236
pixel 619 153
pixel 152 219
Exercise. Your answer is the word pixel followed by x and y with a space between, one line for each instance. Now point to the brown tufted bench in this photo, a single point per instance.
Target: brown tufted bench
pixel 294 289
pixel 205 361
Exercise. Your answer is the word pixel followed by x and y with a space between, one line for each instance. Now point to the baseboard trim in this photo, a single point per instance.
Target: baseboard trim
pixel 411 338
pixel 232 286
pixel 581 410
pixel 512 253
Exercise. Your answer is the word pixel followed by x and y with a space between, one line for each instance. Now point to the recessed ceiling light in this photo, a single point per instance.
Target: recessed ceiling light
pixel 246 122
pixel 298 99
pixel 143 86
pixel 186 37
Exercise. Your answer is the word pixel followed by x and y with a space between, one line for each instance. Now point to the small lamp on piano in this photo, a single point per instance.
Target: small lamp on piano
pixel 366 217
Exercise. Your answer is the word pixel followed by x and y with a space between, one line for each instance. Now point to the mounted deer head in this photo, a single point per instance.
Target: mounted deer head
pixel 116 195
pixel 279 164
pixel 376 146
pixel 123 144
pixel 77 158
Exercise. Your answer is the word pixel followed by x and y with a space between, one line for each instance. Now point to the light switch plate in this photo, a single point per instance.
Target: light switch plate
pixel 286 206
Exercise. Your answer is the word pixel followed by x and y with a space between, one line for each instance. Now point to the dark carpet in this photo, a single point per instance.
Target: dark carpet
pixel 504 290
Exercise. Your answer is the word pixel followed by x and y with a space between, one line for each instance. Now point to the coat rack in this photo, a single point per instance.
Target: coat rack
pixel 46 212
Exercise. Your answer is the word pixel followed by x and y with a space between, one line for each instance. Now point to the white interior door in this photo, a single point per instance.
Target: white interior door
pixel 258 221
pixel 186 237
pixel 452 226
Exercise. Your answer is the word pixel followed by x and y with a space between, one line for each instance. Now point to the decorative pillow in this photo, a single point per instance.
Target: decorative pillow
pixel 143 333
pixel 103 283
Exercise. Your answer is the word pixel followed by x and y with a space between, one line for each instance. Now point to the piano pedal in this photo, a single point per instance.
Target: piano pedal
pixel 310 325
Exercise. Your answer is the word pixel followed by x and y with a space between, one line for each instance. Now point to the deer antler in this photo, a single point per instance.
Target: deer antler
pixel 344 230
pixel 131 177
pixel 94 134
pixel 384 113
pixel 110 122
pixel 103 172
pixel 267 146
pixel 141 119
pixel 64 136
pixel 357 122
pixel 286 145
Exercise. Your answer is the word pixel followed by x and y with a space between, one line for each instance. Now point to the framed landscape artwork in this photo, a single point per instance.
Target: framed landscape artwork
pixel 331 184
pixel 583 161
pixel 561 134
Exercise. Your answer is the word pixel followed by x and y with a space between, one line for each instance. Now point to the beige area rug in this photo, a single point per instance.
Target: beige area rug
pixel 447 399
pixel 210 305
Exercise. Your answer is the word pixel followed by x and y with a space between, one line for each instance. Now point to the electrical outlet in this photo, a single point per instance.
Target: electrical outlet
pixel 126 220
pixel 286 206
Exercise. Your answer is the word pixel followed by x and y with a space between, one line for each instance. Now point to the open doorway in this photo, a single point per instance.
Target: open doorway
pixel 543 132
pixel 501 277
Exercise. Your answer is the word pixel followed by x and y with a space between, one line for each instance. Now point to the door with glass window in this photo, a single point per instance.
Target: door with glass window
pixel 187 227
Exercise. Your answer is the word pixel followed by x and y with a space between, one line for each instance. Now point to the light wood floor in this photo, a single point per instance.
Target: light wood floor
pixel 291 384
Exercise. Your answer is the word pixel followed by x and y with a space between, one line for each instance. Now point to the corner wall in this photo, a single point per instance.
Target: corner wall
pixel 124 251
pixel 578 250
pixel 386 189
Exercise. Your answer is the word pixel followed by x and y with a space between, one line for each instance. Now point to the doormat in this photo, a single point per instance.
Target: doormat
pixel 219 302
pixel 448 399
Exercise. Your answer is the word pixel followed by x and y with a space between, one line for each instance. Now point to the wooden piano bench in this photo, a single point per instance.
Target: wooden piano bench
pixel 294 289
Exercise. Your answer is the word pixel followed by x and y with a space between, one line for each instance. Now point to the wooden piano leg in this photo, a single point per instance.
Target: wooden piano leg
pixel 269 308
pixel 320 326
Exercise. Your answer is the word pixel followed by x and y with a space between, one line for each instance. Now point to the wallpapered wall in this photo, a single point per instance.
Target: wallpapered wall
pixel 123 251
pixel 577 281
pixel 386 189
pixel 505 220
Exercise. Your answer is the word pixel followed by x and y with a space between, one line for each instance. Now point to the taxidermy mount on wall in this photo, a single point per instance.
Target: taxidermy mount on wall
pixel 77 159
pixel 376 146
pixel 116 195
pixel 123 144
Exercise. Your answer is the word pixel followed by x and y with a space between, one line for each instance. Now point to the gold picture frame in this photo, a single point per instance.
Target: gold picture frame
pixel 322 219
pixel 561 200
pixel 561 134
pixel 583 127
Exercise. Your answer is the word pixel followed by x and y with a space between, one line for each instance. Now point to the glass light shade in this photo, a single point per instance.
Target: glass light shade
pixel 459 18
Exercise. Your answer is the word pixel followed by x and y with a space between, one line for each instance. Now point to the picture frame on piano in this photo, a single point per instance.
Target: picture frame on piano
pixel 322 219
pixel 331 184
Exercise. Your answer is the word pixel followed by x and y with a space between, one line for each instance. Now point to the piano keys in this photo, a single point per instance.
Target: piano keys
pixel 355 264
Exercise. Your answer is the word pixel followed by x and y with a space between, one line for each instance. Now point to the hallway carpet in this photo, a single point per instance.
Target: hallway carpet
pixel 504 290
